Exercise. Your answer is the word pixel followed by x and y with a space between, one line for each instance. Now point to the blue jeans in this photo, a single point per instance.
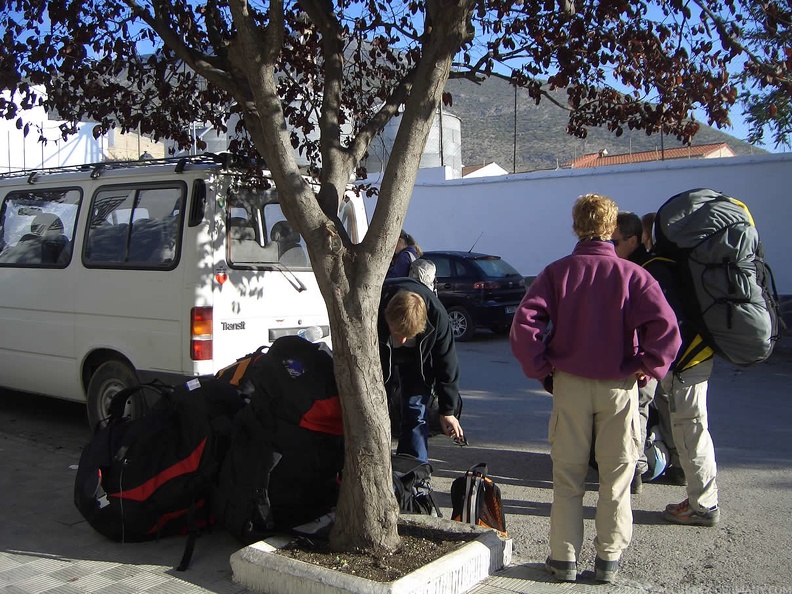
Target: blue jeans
pixel 414 433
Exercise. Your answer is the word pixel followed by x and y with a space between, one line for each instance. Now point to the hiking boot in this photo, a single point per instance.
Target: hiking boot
pixel 674 475
pixel 636 486
pixel 563 571
pixel 605 571
pixel 683 513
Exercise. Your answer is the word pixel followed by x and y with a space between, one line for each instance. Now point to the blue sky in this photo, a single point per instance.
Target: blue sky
pixel 740 130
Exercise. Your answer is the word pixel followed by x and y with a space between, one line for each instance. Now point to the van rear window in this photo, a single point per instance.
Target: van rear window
pixel 258 232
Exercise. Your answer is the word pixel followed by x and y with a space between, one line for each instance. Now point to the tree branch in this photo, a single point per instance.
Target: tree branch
pixel 337 162
pixel 207 66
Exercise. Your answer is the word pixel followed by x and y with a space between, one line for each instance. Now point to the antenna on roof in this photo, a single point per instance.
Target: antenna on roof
pixel 475 242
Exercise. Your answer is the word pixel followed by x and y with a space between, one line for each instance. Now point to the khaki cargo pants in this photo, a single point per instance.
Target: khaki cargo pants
pixel 608 411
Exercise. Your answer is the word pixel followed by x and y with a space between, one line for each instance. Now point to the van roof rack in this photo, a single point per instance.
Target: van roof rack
pixel 225 160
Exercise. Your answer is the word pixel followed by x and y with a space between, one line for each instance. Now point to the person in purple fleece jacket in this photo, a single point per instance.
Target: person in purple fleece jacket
pixel 591 327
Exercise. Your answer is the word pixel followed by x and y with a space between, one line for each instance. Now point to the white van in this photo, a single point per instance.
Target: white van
pixel 117 273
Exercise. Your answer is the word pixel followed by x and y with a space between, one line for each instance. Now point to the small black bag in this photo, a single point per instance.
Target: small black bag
pixel 476 500
pixel 412 485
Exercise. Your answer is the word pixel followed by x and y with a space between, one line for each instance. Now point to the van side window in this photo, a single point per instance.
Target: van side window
pixel 37 227
pixel 135 227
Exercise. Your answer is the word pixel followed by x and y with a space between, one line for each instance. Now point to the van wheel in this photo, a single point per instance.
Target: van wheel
pixel 461 323
pixel 109 379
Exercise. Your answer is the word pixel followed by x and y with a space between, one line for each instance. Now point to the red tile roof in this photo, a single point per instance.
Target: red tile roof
pixel 471 168
pixel 702 151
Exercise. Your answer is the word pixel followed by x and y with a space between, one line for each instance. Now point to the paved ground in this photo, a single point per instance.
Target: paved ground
pixel 45 546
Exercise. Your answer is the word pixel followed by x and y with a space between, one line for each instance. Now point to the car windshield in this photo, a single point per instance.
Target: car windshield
pixel 495 268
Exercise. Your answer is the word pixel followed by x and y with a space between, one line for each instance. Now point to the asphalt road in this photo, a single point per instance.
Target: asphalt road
pixel 505 419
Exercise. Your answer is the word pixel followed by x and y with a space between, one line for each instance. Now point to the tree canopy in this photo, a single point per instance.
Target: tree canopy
pixel 636 64
pixel 325 77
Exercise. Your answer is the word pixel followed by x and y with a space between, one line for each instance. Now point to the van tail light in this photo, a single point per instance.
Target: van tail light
pixel 201 333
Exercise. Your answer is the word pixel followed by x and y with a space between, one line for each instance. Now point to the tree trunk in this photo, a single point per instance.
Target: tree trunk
pixel 350 276
pixel 367 513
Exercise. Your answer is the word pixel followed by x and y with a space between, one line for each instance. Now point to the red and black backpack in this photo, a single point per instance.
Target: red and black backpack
pixel 140 479
pixel 287 451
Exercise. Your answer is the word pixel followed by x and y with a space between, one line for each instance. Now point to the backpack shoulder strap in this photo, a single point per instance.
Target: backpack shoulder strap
pixel 658 259
pixel 118 402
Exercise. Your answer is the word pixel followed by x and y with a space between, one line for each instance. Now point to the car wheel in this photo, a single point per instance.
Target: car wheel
pixel 110 378
pixel 461 323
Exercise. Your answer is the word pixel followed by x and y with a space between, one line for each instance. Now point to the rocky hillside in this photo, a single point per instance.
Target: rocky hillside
pixel 487 114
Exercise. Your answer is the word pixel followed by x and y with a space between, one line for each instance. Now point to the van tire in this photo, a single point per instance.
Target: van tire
pixel 109 378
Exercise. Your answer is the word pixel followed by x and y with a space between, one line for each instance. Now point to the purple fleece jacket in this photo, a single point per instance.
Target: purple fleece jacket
pixel 609 318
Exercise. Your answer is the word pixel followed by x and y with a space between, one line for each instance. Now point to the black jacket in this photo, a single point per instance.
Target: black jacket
pixel 438 358
pixel 693 349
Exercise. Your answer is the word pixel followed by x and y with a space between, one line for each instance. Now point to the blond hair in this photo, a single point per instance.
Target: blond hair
pixel 406 314
pixel 594 217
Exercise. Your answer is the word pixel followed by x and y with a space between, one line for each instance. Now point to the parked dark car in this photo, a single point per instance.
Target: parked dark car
pixel 478 290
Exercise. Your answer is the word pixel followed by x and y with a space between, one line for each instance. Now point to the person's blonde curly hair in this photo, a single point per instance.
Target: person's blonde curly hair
pixel 594 217
pixel 406 314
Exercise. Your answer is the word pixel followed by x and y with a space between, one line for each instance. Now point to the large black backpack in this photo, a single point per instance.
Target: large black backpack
pixel 283 465
pixel 726 286
pixel 149 477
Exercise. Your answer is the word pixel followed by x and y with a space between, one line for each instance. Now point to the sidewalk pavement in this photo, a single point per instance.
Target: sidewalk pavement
pixel 47 547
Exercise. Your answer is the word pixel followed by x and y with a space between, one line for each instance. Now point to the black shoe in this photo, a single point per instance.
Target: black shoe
pixel 563 571
pixel 605 571
pixel 636 486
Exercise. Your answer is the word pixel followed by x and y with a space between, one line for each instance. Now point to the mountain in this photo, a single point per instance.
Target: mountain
pixel 487 119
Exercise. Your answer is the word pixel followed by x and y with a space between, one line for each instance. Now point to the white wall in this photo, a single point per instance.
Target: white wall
pixel 527 218
pixel 18 151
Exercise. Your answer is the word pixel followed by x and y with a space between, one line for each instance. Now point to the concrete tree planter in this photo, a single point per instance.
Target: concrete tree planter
pixel 259 568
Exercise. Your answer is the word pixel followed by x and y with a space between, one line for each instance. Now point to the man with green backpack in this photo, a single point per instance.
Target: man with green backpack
pixel 726 305
pixel 627 239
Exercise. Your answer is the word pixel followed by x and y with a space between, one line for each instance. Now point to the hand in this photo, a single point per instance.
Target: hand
pixel 451 427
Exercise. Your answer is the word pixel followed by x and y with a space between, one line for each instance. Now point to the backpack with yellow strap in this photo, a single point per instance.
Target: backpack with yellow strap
pixel 726 287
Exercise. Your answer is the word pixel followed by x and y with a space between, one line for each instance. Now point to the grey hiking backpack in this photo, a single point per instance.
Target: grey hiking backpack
pixel 728 289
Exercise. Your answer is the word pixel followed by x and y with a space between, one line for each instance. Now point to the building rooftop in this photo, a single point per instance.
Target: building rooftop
pixel 602 158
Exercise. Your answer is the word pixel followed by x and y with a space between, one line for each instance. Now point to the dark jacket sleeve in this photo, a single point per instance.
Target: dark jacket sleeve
pixel 443 361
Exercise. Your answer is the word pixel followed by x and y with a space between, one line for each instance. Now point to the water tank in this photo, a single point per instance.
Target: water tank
pixel 443 146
